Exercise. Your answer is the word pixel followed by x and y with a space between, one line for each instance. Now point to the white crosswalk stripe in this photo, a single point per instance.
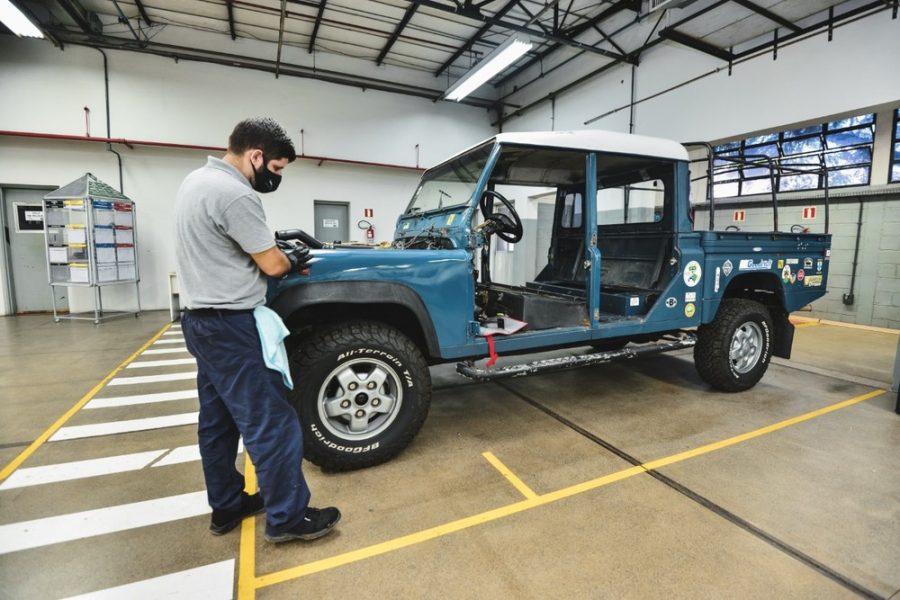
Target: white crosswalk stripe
pixel 153 378
pixel 164 350
pixel 100 429
pixel 80 469
pixel 140 399
pixel 171 341
pixel 211 582
pixel 75 526
pixel 145 364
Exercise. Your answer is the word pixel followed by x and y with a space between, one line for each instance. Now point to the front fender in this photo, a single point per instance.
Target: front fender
pixel 365 293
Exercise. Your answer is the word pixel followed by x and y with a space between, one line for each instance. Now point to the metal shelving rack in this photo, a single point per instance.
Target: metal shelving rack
pixel 90 239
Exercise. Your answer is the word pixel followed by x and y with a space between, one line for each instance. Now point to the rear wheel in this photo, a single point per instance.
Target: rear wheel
pixel 733 352
pixel 362 391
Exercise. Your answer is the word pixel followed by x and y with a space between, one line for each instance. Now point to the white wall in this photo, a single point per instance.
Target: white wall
pixel 44 90
pixel 811 79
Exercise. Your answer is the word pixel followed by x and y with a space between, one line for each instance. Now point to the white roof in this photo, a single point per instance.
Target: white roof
pixel 595 140
pixel 599 141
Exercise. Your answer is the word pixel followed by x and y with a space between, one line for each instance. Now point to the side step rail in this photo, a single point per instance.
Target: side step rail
pixel 468 368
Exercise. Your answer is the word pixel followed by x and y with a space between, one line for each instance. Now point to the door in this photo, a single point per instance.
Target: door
pixel 332 221
pixel 26 258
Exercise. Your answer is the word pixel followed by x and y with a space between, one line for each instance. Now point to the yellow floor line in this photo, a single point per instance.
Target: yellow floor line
pixel 510 476
pixel 247 552
pixel 815 321
pixel 529 503
pixel 17 461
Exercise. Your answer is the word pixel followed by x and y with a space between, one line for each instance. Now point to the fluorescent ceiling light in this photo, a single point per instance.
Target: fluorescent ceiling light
pixel 17 22
pixel 504 55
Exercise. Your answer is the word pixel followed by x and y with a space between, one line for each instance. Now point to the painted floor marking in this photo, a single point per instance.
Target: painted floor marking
pixel 510 476
pixel 176 332
pixel 80 469
pixel 75 526
pixel 419 537
pixel 118 401
pixel 74 432
pixel 211 582
pixel 15 463
pixel 172 341
pixel 165 350
pixel 246 580
pixel 145 364
pixel 154 378
pixel 184 454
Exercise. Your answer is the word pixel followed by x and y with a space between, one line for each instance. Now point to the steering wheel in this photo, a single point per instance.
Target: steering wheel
pixel 509 227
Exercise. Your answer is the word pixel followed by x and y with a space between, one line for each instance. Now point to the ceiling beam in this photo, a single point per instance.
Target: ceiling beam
pixel 77 13
pixel 230 4
pixel 478 35
pixel 143 11
pixel 280 37
pixel 696 44
pixel 634 5
pixel 767 14
pixel 473 13
pixel 410 11
pixel 315 31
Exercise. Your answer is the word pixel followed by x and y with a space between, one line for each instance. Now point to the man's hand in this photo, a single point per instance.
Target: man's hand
pixel 297 253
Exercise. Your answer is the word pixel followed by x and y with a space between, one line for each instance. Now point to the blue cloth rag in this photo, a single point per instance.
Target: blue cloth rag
pixel 272 332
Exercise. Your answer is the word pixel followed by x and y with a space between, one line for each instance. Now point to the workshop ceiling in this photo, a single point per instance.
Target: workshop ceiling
pixel 420 47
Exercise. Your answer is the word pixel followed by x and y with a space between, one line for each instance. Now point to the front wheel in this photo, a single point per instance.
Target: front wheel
pixel 733 352
pixel 362 391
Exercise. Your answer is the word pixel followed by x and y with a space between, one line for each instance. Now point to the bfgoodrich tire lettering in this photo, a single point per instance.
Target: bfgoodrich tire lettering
pixel 733 352
pixel 362 391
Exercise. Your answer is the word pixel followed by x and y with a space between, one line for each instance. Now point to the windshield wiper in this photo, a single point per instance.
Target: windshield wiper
pixel 441 194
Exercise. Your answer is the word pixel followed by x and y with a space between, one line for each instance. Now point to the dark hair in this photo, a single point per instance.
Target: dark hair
pixel 262 133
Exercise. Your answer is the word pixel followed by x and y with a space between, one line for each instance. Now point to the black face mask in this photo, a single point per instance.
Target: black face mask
pixel 264 180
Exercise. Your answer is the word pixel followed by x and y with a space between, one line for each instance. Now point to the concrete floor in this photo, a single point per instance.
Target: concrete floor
pixel 810 510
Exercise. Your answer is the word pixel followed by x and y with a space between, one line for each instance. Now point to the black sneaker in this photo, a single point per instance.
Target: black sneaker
pixel 224 521
pixel 316 523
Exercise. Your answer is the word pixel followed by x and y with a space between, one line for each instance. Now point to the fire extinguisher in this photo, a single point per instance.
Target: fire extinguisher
pixel 370 231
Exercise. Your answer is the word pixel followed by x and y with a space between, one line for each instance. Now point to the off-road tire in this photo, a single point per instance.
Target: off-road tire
pixel 321 356
pixel 712 353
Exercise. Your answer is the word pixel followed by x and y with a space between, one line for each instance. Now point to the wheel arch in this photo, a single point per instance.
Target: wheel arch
pixel 766 288
pixel 307 305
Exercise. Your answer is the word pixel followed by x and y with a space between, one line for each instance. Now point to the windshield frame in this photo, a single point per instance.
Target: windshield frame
pixel 490 147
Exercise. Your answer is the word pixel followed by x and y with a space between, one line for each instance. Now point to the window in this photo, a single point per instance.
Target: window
pixel 894 174
pixel 631 190
pixel 799 159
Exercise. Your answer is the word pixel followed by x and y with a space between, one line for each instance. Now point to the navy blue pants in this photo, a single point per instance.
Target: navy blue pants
pixel 240 396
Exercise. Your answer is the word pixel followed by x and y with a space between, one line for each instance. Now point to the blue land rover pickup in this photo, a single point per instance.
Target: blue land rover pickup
pixel 622 268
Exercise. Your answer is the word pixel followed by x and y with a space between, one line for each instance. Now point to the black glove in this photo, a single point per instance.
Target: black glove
pixel 296 252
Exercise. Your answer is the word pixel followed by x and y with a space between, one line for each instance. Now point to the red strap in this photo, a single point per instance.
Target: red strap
pixel 493 353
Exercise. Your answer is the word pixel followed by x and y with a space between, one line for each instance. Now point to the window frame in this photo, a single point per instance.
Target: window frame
pixel 894 161
pixel 741 149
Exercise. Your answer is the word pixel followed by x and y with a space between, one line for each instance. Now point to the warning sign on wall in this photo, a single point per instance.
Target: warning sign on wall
pixel 740 216
pixel 809 213
pixel 368 212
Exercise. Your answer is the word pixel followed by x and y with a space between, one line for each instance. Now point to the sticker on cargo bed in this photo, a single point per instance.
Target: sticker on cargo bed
pixel 793 261
pixel 634 301
pixel 689 310
pixel 718 271
pixel 750 264
pixel 807 263
pixel 671 302
pixel 813 281
pixel 450 219
pixel 828 254
pixel 781 263
pixel 690 297
pixel 801 274
pixel 786 274
pixel 727 267
pixel 692 273
pixel 819 264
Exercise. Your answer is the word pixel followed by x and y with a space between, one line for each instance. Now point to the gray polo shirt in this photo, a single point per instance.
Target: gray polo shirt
pixel 220 222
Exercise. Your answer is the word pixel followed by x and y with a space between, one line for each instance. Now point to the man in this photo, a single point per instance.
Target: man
pixel 225 251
